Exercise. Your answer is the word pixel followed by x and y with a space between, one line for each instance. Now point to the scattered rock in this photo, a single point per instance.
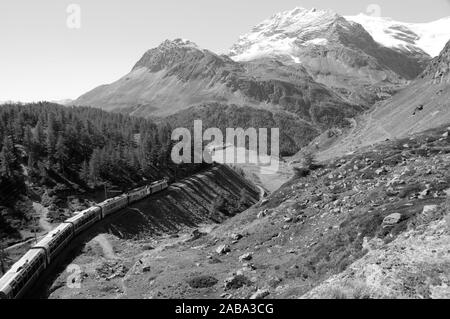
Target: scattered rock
pixel 245 257
pixel 111 270
pixel 236 282
pixel 260 294
pixel 429 209
pixel 424 193
pixel 248 266
pixel 235 236
pixel 381 171
pixel 196 234
pixel 145 265
pixel 336 211
pixel 287 219
pixel 392 219
pixel 223 249
pixel 262 214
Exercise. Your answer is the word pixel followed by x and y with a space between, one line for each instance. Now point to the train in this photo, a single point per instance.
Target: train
pixel 24 273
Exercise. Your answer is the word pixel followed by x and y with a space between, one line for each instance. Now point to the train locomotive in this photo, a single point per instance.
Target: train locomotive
pixel 20 277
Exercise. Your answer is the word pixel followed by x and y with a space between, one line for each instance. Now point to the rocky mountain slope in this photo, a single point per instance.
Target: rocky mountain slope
pixel 338 53
pixel 420 39
pixel 178 75
pixel 438 70
pixel 422 105
pixel 378 218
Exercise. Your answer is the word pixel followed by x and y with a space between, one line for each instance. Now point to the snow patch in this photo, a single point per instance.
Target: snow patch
pixel 427 37
pixel 295 59
pixel 318 41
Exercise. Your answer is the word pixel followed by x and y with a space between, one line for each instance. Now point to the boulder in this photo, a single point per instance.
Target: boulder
pixel 236 236
pixel 245 257
pixel 392 219
pixel 287 219
pixel 381 171
pixel 144 264
pixel 248 266
pixel 223 249
pixel 429 209
pixel 262 214
pixel 260 294
pixel 424 193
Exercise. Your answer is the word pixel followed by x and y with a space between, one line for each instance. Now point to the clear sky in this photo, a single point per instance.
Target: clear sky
pixel 42 59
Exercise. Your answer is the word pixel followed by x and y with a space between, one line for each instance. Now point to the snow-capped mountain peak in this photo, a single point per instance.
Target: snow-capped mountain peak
pixel 407 37
pixel 277 34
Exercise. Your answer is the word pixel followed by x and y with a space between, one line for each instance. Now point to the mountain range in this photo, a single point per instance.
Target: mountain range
pixel 312 68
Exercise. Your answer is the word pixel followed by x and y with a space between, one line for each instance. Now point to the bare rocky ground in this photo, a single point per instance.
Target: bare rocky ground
pixel 374 224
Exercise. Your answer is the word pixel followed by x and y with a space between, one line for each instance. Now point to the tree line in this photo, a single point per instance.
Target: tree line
pixel 43 143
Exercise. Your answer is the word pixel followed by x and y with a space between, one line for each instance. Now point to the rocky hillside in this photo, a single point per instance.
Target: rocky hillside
pixel 378 218
pixel 438 69
pixel 422 105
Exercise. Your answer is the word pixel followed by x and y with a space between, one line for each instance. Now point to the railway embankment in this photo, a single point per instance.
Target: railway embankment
pixel 186 210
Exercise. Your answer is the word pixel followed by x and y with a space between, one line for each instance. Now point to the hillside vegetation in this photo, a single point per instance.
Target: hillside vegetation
pixel 51 155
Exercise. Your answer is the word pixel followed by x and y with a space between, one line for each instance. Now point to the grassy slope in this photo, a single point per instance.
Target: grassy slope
pixel 419 107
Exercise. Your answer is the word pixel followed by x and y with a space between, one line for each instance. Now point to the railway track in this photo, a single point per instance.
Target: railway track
pixel 18 280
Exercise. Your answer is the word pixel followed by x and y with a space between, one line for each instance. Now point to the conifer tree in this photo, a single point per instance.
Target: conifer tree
pixel 61 152
pixel 94 166
pixel 51 137
pixel 8 158
pixel 84 172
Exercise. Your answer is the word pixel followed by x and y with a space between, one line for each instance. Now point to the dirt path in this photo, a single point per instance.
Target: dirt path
pixel 42 212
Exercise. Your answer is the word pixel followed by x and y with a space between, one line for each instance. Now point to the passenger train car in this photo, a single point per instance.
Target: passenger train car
pixel 84 219
pixel 24 272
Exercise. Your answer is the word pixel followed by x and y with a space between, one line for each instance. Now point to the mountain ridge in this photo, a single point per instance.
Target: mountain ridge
pixel 336 52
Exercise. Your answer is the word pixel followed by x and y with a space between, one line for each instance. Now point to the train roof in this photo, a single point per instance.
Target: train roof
pixel 81 214
pixel 44 241
pixel 18 266
pixel 157 182
pixel 112 199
